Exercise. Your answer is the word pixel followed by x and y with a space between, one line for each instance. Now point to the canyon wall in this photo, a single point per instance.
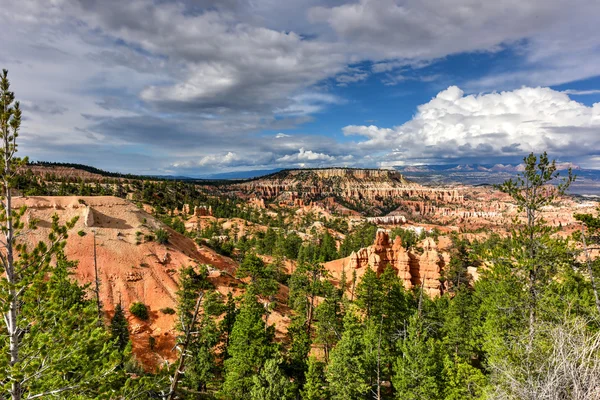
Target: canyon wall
pixel 349 184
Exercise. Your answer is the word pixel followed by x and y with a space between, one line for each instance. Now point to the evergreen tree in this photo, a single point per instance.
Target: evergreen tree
pixel 226 325
pixel 202 367
pixel 315 387
pixel 199 333
pixel 462 380
pixel 119 328
pixel 456 275
pixel 591 238
pixel 298 348
pixel 346 372
pixel 328 316
pixel 262 276
pixel 327 248
pixel 250 346
pixel 418 370
pixel 66 351
pixel 271 383
pixel 533 250
pixel 368 294
pixel 460 327
pixel 292 245
pixel 48 346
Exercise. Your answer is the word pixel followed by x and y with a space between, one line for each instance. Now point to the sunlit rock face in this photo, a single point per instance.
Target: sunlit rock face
pixel 350 184
pixel 414 269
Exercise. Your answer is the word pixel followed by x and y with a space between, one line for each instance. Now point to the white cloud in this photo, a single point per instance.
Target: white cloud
pixel 581 92
pixel 557 39
pixel 305 156
pixel 353 75
pixel 308 103
pixel 227 159
pixel 454 125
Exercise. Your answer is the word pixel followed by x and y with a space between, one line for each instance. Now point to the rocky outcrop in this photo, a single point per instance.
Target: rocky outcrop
pixel 413 269
pixel 428 270
pixel 202 211
pixel 388 220
pixel 345 182
pixel 88 217
pixel 369 190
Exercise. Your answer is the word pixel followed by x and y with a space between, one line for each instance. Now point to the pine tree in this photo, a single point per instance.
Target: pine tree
pixel 456 274
pixel 23 368
pixel 533 248
pixel 418 370
pixel 591 238
pixel 460 326
pixel 346 372
pixel 462 380
pixel 271 383
pixel 315 387
pixel 119 328
pixel 262 276
pixel 226 325
pixel 199 334
pixel 66 351
pixel 202 364
pixel 250 346
pixel 298 348
pixel 328 316
pixel 327 248
pixel 368 294
pixel 463 376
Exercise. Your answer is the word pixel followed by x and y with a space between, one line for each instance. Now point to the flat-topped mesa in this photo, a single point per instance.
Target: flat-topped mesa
pixel 351 173
pixel 351 184
pixel 415 270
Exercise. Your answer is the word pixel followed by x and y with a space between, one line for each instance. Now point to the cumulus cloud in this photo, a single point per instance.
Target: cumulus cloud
pixel 303 156
pixel 455 126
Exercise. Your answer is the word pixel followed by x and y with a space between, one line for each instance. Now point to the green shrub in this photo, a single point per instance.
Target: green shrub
pixel 162 236
pixel 81 233
pixel 167 310
pixel 139 310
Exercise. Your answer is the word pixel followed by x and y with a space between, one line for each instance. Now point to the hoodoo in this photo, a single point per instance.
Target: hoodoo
pixel 413 268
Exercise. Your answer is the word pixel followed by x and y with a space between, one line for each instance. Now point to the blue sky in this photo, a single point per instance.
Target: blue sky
pixel 197 87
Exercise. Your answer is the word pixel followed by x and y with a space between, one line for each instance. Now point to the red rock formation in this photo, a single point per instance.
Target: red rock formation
pixel 202 211
pixel 351 184
pixel 429 268
pixel 414 269
pixel 388 220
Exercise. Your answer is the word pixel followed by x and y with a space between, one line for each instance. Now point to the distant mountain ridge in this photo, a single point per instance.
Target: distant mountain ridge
pixel 560 166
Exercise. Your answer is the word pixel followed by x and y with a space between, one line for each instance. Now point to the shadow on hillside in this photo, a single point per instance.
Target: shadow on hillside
pixel 106 221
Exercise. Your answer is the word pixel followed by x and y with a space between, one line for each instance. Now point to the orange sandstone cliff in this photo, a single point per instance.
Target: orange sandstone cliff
pixel 414 269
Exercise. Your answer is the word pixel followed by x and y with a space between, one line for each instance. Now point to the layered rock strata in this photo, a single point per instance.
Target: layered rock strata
pixel 414 269
pixel 350 184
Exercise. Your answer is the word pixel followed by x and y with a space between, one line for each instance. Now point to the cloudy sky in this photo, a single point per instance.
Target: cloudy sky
pixel 196 87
